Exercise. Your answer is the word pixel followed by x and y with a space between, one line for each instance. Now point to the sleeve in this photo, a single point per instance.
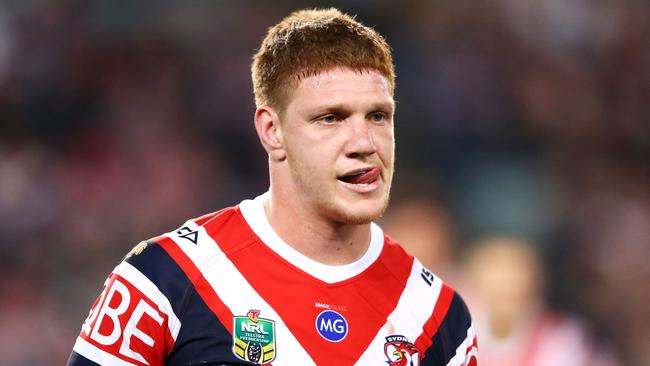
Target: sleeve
pixel 132 322
pixel 454 343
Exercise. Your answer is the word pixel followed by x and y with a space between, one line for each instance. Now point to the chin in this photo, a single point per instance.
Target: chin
pixel 363 213
pixel 348 218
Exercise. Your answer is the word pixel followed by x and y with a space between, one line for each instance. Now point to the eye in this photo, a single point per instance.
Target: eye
pixel 377 116
pixel 329 118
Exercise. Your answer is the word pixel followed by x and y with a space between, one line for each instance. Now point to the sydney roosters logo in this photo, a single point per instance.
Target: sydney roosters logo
pixel 401 352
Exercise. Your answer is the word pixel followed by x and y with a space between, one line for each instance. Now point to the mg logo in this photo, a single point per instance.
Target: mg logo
pixel 331 325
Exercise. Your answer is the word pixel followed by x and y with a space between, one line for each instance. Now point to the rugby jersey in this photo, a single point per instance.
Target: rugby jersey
pixel 224 289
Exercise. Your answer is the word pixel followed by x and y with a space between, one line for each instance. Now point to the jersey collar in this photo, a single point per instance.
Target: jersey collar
pixel 253 212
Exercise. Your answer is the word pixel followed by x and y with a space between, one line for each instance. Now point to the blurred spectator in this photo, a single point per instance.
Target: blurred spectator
pixel 426 231
pixel 32 331
pixel 505 289
pixel 608 229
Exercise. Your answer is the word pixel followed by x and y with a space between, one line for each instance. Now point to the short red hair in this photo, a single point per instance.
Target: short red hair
pixel 308 42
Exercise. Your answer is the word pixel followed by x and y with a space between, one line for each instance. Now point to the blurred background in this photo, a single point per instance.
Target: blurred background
pixel 523 155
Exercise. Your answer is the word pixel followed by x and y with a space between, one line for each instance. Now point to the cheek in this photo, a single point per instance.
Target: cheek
pixel 317 149
pixel 307 160
pixel 385 142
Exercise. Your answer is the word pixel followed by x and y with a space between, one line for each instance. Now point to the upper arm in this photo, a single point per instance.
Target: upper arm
pixel 133 320
pixel 455 343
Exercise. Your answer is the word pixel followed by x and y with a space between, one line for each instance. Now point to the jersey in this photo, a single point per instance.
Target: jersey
pixel 224 289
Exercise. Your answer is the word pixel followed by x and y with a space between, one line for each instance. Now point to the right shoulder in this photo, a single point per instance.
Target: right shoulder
pixel 147 295
pixel 163 259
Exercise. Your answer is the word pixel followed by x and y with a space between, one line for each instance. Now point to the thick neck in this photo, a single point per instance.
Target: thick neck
pixel 313 235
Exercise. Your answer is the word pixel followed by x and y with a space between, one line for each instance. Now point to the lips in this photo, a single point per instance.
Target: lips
pixel 361 176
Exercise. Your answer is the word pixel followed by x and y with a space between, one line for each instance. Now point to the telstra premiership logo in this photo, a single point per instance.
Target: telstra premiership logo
pixel 331 325
pixel 254 338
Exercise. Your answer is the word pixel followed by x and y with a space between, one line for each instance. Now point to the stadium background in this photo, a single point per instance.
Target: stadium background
pixel 120 119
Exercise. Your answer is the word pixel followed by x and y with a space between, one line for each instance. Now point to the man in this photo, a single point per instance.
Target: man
pixel 506 276
pixel 299 275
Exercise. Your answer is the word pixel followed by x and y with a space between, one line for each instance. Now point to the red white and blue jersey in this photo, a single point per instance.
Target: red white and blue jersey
pixel 225 289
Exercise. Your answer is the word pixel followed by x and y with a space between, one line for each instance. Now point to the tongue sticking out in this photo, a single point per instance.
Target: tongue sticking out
pixel 363 177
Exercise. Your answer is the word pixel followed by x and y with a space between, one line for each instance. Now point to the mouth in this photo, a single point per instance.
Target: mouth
pixel 361 177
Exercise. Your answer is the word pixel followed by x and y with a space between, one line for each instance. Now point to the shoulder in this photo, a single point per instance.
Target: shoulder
pixel 159 264
pixel 396 258
pixel 448 333
pixel 147 296
pixel 421 280
pixel 425 285
pixel 163 259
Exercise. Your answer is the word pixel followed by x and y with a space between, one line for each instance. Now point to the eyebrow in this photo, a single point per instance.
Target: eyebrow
pixel 384 106
pixel 344 108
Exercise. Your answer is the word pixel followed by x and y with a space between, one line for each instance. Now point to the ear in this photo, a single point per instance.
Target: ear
pixel 267 125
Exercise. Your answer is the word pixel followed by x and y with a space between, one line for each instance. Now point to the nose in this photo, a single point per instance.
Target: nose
pixel 360 142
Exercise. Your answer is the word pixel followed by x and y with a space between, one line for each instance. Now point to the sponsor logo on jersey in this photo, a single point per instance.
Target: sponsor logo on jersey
pixel 254 338
pixel 189 234
pixel 323 305
pixel 427 276
pixel 331 325
pixel 122 314
pixel 401 352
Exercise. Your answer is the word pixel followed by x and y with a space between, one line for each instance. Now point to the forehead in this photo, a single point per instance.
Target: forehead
pixel 341 86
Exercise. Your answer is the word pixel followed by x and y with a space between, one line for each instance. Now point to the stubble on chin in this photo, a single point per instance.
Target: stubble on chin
pixel 346 216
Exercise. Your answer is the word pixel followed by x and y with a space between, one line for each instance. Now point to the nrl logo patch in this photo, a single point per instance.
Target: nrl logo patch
pixel 401 352
pixel 254 338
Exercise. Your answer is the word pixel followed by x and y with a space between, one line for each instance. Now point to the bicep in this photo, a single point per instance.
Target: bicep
pixel 130 323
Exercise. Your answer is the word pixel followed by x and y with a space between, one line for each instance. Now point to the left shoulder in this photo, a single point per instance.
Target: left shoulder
pixel 448 337
pixel 450 334
pixel 421 280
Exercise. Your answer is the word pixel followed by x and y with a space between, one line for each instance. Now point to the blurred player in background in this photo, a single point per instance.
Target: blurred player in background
pixel 505 279
pixel 424 229
pixel 299 275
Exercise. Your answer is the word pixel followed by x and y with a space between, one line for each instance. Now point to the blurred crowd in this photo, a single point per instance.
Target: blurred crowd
pixel 523 157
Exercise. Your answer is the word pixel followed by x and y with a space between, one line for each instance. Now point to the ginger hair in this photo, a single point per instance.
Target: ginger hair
pixel 308 42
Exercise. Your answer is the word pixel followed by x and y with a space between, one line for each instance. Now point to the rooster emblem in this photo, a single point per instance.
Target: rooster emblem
pixel 401 352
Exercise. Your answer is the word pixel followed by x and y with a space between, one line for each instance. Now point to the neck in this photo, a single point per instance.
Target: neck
pixel 314 236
